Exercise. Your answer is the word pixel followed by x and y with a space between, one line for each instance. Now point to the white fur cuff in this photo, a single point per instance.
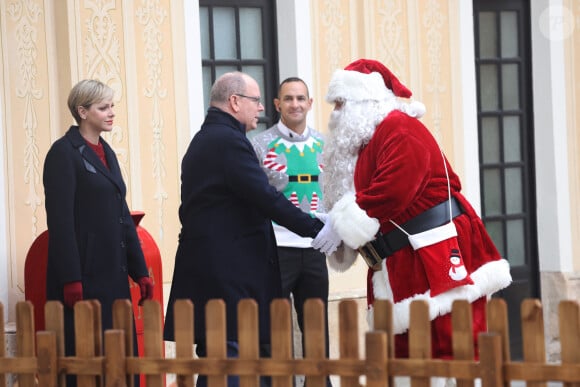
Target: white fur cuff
pixel 352 223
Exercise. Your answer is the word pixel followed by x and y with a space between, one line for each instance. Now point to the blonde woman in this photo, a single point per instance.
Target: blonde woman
pixel 93 244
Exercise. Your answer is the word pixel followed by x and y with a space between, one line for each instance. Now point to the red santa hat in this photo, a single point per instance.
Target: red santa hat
pixel 370 80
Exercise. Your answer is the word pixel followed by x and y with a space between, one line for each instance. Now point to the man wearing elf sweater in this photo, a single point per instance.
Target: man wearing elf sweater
pixel 393 196
pixel 290 154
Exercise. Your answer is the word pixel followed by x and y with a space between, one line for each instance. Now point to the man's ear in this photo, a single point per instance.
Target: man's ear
pixel 233 102
pixel 277 104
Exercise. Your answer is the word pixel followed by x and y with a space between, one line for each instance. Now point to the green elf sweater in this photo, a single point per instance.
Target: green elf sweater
pixel 293 164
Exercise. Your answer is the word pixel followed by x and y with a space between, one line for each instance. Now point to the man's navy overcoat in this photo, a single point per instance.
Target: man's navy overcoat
pixel 227 248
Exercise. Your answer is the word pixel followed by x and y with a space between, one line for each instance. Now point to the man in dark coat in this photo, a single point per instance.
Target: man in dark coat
pixel 227 249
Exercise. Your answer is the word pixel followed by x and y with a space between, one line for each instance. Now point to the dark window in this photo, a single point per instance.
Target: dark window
pixel 240 35
pixel 506 143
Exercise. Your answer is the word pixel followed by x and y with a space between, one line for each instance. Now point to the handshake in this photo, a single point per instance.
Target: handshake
pixel 327 240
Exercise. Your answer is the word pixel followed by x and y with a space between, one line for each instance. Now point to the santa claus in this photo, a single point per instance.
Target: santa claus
pixel 395 199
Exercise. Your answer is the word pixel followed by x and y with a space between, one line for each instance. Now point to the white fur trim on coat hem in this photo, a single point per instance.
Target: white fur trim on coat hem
pixel 352 223
pixel 487 279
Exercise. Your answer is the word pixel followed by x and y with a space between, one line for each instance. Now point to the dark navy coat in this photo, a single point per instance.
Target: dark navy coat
pixel 227 249
pixel 92 237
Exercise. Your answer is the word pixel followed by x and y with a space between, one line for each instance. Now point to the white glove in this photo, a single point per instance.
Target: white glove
pixel 323 216
pixel 327 240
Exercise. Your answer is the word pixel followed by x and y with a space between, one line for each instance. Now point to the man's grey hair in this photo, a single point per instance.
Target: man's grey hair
pixel 226 86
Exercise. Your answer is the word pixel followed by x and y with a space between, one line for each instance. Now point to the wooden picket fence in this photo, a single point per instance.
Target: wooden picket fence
pixel 104 360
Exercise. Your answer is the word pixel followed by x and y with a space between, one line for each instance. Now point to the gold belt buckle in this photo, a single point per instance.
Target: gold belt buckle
pixel 304 178
pixel 371 256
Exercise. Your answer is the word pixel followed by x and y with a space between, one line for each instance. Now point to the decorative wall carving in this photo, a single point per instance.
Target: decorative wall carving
pixel 151 16
pixel 391 39
pixel 26 15
pixel 333 22
pixel 434 22
pixel 102 61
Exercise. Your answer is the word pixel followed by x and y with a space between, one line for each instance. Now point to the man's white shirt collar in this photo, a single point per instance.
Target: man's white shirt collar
pixel 292 134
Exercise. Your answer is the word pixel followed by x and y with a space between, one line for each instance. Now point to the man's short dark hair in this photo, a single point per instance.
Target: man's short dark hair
pixel 293 79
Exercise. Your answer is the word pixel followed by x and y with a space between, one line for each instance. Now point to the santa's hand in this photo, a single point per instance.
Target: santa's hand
pixel 327 240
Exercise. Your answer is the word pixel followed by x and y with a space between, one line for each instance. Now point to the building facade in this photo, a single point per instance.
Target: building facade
pixel 500 80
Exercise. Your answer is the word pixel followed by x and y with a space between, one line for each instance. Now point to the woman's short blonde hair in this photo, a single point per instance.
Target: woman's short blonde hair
pixel 85 93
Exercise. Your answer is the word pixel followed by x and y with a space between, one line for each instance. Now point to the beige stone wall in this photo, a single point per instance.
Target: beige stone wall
pixel 136 47
pixel 556 287
pixel 572 59
pixel 27 118
pixel 412 38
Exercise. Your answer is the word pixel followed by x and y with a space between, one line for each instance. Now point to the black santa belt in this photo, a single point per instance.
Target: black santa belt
pixel 385 245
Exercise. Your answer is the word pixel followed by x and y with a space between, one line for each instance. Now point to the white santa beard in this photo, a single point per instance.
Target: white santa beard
pixel 349 129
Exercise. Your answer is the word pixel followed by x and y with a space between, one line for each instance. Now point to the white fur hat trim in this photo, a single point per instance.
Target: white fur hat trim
pixel 349 85
pixel 355 86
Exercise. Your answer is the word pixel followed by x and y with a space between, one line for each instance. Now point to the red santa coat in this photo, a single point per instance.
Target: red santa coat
pixel 399 175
